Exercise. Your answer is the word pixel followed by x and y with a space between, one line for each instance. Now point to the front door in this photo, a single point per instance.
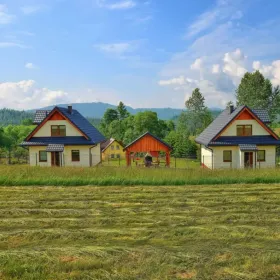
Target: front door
pixel 248 159
pixel 55 159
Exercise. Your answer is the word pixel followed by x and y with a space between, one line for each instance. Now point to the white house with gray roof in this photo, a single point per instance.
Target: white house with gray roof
pixel 63 137
pixel 239 137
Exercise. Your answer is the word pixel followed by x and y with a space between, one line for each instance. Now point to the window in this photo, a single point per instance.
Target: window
pixel 227 156
pixel 112 156
pixel 112 147
pixel 118 156
pixel 43 157
pixel 75 155
pixel 58 130
pixel 117 147
pixel 261 155
pixel 244 130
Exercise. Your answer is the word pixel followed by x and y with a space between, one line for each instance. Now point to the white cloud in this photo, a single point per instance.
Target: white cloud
pixel 24 94
pixel 197 65
pixel 179 81
pixel 30 65
pixel 223 10
pixel 271 71
pixel 216 69
pixel 28 10
pixel 5 17
pixel 12 45
pixel 115 48
pixel 234 65
pixel 120 5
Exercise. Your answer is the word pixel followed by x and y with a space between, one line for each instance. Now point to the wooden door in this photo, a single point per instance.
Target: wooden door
pixel 248 159
pixel 55 159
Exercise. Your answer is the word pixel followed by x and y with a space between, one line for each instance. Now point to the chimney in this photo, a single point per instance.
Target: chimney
pixel 231 109
pixel 69 109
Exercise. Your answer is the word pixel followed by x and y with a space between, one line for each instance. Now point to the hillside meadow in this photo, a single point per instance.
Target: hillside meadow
pixel 121 176
pixel 224 232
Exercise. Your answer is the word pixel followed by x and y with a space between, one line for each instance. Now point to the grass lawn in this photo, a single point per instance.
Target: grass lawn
pixel 183 232
pixel 174 162
pixel 17 175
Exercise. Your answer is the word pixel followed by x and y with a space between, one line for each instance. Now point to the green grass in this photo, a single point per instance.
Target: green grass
pixel 126 233
pixel 117 176
pixel 174 162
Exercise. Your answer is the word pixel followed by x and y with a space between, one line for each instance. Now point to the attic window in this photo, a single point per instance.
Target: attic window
pixel 58 130
pixel 244 130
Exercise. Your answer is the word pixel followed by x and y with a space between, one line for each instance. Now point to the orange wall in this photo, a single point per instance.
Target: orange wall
pixel 147 144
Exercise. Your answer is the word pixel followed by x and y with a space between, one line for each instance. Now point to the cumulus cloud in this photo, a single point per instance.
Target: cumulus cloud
pixel 234 65
pixel 216 81
pixel 197 65
pixel 216 69
pixel 120 5
pixel 25 95
pixel 5 17
pixel 271 71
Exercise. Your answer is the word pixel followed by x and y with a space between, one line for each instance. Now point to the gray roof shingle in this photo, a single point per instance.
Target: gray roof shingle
pixel 223 120
pixel 55 148
pixel 40 115
pixel 248 147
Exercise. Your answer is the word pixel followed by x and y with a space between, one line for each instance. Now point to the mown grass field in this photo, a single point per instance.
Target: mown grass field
pixel 118 176
pixel 168 232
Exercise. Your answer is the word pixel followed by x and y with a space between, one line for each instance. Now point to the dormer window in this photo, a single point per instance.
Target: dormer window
pixel 244 130
pixel 58 130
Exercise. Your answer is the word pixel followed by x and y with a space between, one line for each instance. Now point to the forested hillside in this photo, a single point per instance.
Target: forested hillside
pixel 10 116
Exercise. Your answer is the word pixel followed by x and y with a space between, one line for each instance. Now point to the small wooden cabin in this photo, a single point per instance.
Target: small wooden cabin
pixel 148 143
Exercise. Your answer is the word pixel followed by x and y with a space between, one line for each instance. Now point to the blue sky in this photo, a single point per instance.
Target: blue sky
pixel 147 53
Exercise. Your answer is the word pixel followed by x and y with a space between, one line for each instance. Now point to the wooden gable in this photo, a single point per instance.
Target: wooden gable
pixel 247 114
pixel 148 143
pixel 57 117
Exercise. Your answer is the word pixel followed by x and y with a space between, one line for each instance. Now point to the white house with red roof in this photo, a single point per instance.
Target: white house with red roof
pixel 63 137
pixel 239 137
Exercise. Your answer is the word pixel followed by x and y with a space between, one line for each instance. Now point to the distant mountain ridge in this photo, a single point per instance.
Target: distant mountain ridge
pixel 97 110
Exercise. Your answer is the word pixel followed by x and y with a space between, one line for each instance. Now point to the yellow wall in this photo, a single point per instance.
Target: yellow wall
pixel 109 151
pixel 85 155
pixel 257 129
pixel 45 130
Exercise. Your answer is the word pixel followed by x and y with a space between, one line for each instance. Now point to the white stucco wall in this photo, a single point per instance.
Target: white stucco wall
pixel 270 157
pixel 257 129
pixel 206 156
pixel 219 157
pixel 45 130
pixel 238 157
pixel 85 154
pixel 34 156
